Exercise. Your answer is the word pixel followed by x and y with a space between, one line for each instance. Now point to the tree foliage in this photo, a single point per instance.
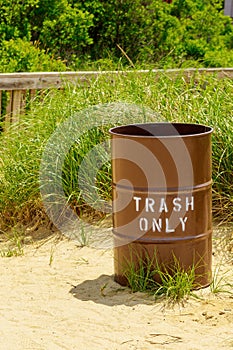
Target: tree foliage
pixel 18 55
pixel 152 31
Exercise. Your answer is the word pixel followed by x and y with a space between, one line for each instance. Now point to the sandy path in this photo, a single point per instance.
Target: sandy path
pixel 74 304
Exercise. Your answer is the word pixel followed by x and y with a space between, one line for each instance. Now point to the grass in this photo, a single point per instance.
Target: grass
pixel 81 117
pixel 220 283
pixel 173 282
pixel 140 273
pixel 170 281
pixel 176 283
pixel 12 244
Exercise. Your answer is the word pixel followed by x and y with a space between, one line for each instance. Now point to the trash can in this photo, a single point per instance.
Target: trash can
pixel 161 183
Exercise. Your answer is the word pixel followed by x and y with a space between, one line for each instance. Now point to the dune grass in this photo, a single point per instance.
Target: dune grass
pixel 172 282
pixel 203 99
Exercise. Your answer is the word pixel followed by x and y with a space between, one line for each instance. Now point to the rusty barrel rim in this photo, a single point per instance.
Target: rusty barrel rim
pixel 176 130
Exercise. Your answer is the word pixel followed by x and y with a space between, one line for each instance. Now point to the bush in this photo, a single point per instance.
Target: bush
pixel 55 26
pixel 134 31
pixel 17 55
pixel 138 28
pixel 218 58
pixel 159 33
pixel 15 19
pixel 67 33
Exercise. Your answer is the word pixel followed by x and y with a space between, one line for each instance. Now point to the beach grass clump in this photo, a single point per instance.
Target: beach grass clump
pixel 140 272
pixel 172 282
pixel 105 102
pixel 13 243
pixel 176 283
pixel 220 282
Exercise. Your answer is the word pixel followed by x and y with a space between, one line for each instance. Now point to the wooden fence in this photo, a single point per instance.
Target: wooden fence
pixel 18 89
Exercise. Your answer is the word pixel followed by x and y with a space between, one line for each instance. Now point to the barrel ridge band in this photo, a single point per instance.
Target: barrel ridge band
pixel 158 240
pixel 169 190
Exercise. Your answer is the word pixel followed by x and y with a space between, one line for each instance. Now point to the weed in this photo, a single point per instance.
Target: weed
pixel 84 236
pixel 176 283
pixel 14 244
pixel 219 283
pixel 51 256
pixel 145 274
pixel 140 272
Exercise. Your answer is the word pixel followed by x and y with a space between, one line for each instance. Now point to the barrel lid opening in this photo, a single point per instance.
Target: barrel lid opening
pixel 161 129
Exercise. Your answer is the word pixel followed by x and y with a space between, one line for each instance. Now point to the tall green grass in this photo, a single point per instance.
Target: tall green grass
pixel 203 99
pixel 145 274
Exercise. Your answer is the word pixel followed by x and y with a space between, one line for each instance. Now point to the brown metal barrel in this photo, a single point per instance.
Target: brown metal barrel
pixel 161 180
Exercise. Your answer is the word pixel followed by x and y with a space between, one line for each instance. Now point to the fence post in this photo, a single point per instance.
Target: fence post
pixel 16 106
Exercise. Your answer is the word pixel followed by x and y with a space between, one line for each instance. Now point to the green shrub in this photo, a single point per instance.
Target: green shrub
pixel 17 55
pixel 68 33
pixel 139 33
pixel 15 19
pixel 206 30
pixel 159 33
pixel 55 26
pixel 140 29
pixel 218 58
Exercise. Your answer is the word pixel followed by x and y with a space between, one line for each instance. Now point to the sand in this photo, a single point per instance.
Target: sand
pixel 60 296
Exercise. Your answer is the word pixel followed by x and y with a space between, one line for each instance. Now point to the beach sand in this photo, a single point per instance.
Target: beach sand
pixel 61 296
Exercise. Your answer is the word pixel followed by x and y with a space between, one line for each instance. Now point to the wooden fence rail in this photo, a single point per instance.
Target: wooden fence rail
pixel 17 88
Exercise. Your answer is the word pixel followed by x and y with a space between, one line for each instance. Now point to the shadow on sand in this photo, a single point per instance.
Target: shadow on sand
pixel 103 290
